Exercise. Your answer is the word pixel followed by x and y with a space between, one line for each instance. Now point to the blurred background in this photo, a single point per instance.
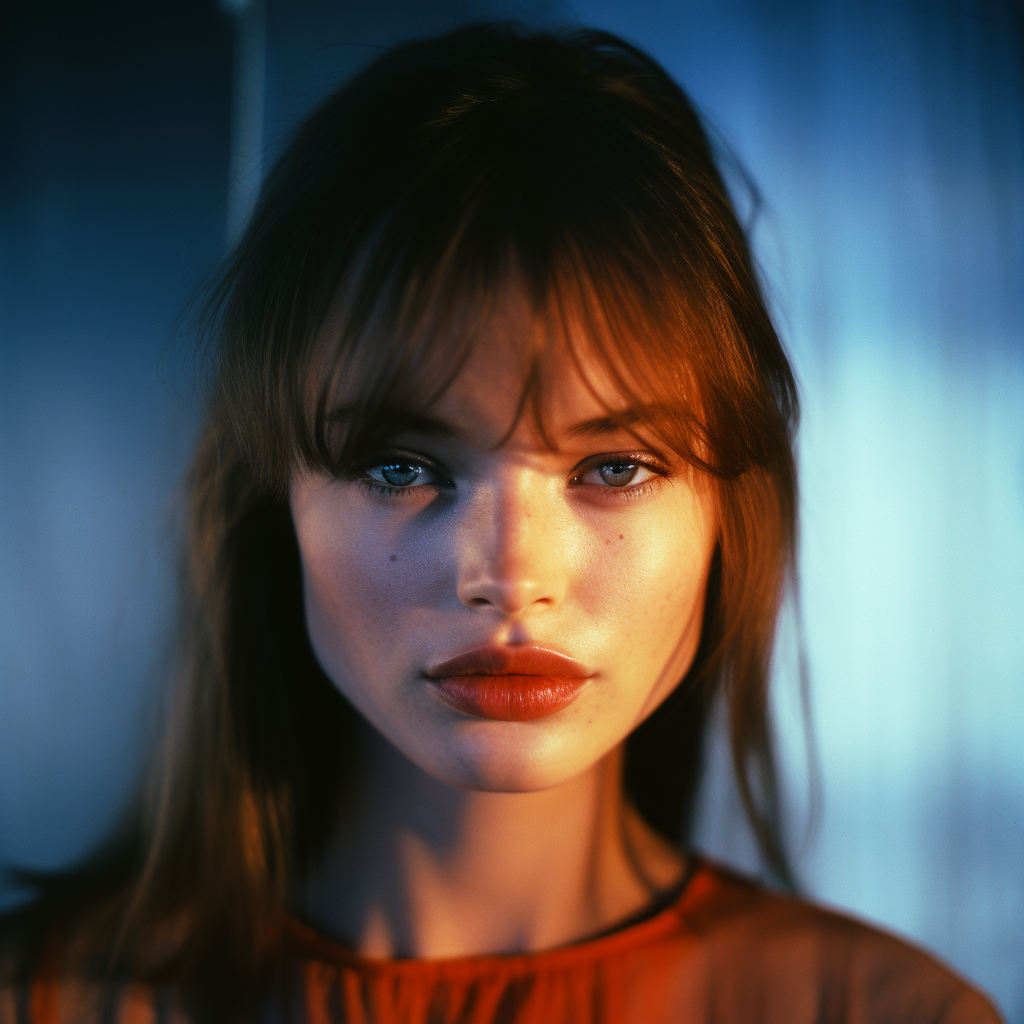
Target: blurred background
pixel 887 139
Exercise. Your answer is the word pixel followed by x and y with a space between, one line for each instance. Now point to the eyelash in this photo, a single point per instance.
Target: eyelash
pixel 627 492
pixel 380 489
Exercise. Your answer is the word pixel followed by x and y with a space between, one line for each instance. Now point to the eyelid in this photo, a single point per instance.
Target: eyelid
pixel 400 456
pixel 642 458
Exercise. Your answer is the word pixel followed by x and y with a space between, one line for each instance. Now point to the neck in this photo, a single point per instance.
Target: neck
pixel 418 868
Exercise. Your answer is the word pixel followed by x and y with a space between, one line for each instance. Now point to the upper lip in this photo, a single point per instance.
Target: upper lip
pixel 497 660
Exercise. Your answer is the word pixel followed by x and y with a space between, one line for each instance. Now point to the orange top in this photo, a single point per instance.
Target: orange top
pixel 725 951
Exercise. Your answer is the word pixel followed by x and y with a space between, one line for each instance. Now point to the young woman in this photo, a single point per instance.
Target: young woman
pixel 494 498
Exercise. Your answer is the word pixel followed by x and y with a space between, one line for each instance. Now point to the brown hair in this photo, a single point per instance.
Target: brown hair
pixel 575 163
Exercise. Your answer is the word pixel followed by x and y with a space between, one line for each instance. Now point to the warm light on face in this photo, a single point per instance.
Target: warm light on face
pixel 448 542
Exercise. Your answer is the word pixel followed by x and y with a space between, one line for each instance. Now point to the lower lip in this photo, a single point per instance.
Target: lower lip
pixel 509 698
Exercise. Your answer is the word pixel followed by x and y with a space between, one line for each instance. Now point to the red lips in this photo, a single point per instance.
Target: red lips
pixel 509 684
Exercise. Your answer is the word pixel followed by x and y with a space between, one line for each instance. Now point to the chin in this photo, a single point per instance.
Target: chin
pixel 509 758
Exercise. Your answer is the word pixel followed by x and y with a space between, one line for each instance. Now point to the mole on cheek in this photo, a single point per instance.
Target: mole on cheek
pixel 394 558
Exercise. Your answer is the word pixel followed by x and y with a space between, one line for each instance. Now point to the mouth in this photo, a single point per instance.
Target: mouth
pixel 509 684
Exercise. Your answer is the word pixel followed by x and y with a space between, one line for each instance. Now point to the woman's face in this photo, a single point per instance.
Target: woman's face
pixel 444 582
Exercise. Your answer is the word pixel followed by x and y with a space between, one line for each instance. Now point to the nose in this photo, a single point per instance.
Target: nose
pixel 512 554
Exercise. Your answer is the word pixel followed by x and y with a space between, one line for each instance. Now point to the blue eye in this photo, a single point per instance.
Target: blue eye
pixel 397 474
pixel 618 474
pixel 402 473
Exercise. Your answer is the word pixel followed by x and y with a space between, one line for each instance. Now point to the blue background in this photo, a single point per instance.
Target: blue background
pixel 888 141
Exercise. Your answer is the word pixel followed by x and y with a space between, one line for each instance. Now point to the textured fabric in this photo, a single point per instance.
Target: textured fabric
pixel 726 951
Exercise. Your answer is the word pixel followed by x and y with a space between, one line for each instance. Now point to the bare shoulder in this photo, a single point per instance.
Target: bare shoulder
pixel 774 957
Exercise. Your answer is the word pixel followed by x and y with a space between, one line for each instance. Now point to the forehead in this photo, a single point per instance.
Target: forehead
pixel 529 378
pixel 502 366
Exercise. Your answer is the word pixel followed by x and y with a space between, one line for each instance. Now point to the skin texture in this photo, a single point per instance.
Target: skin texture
pixel 468 835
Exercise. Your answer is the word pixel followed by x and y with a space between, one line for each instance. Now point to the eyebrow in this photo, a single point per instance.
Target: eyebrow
pixel 601 425
pixel 399 421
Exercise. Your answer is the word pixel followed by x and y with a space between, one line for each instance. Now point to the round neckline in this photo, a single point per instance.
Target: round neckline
pixel 662 916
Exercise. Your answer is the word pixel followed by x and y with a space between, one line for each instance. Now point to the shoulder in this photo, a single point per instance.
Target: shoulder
pixel 66 1001
pixel 45 990
pixel 770 957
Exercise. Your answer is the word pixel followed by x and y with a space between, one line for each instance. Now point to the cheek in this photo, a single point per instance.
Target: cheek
pixel 342 595
pixel 650 567
pixel 645 582
pixel 366 581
